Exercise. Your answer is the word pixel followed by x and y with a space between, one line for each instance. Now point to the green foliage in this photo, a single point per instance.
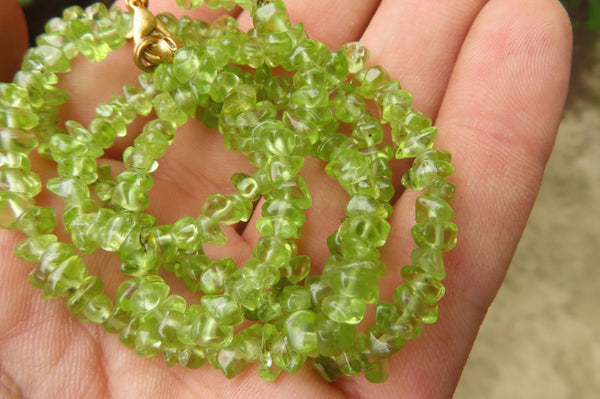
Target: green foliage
pixel 585 14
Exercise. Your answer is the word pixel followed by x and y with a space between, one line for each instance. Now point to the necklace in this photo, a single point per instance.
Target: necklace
pixel 226 78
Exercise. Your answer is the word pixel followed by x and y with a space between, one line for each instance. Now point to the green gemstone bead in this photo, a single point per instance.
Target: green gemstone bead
pixel 244 350
pixel 300 329
pixel 268 367
pixel 17 140
pixel 357 56
pixel 223 308
pixel 430 207
pixel 272 17
pixel 65 278
pixel 186 235
pixel 335 338
pixel 295 298
pixel 383 344
pixel 431 165
pixel 32 249
pixel 297 269
pixel 435 234
pixel 142 294
pixel 343 309
pixel 371 80
pixel 36 221
pixel 369 228
pixel 378 371
pixel 430 260
pixel 167 109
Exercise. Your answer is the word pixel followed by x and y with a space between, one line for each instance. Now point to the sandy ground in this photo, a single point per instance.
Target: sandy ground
pixel 541 338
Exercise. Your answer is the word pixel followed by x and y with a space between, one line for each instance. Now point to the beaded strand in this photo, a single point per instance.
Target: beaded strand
pixel 276 122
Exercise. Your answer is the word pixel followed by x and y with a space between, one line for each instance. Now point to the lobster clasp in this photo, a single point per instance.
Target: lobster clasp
pixel 153 42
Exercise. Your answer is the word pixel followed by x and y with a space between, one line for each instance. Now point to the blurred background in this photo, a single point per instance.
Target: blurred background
pixel 541 338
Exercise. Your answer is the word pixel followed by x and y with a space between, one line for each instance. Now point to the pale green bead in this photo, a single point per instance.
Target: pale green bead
pixel 115 231
pixel 139 253
pixel 210 231
pixel 142 294
pixel 137 99
pixel 442 189
pixel 350 108
pixel 54 254
pixel 371 80
pixel 283 169
pixel 260 275
pixel 84 167
pixel 272 17
pixel 186 63
pixel 393 103
pixel 435 234
pixel 276 47
pixel 430 207
pixel 357 56
pixel 365 205
pixel 37 220
pixel 278 226
pixel 223 308
pixel 356 248
pixel 295 192
pixel 20 118
pixel 97 309
pixel 223 83
pixel 319 290
pixel 206 330
pixel 213 278
pixel 103 132
pixel 167 109
pixel 309 97
pixel 300 329
pixel 48 57
pixel 422 284
pixel 336 68
pixel 284 209
pixel 130 196
pixel 20 181
pixel 73 188
pixel 306 54
pixel 355 279
pixel 367 131
pixel 275 138
pixel 189 267
pixel 370 228
pixel 17 140
pixel 297 269
pixel 189 4
pixel 294 298
pixel 273 250
pixel 334 337
pixel 186 234
pixel 32 248
pixel 65 278
pixel 378 371
pixel 241 99
pixel 89 288
pixel 245 349
pixel 268 366
pixel 430 260
pixel 246 186
pixel 415 143
pixel 222 209
pixel 343 309
pixel 239 289
pixel 268 308
pixel 429 166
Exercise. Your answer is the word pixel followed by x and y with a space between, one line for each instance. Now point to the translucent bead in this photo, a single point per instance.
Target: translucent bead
pixel 367 131
pixel 245 349
pixel 435 234
pixel 297 269
pixel 189 4
pixel 357 56
pixel 365 205
pixel 186 63
pixel 20 118
pixel 283 169
pixel 393 103
pixel 413 145
pixel 268 367
pixel 370 228
pixel 350 108
pixel 309 97
pixel 272 17
pixel 213 278
pixel 238 288
pixel 343 309
pixel 295 192
pixel 306 54
pixel 17 140
pixel 223 308
pixel 20 181
pixel 355 279
pixel 441 188
pixel 430 207
pixel 142 294
pixel 300 329
pixel 12 205
pixel 224 82
pixel 378 371
pixel 65 278
pixel 276 47
pixel 422 284
pixel 268 308
pixel 275 138
pixel 333 337
pixel 89 288
pixel 430 260
pixel 240 99
pixel 247 186
pixel 206 330
pixel 190 268
pixel 223 209
pixel 210 232
pixel 31 249
pixel 37 220
pixel 295 298
pixel 167 109
pixel 431 165
pixel 186 235
pixel 382 343
pixel 49 57
pixel 137 99
pixel 371 80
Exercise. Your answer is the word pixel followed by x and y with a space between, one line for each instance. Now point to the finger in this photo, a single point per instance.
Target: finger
pixel 13 40
pixel 498 118
pixel 333 22
pixel 418 41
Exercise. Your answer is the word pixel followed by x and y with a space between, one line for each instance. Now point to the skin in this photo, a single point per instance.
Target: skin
pixel 492 74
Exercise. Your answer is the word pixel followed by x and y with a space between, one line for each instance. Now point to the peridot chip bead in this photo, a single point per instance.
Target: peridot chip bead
pixel 300 329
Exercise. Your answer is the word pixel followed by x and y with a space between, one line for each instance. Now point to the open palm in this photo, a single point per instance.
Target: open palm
pixel 493 76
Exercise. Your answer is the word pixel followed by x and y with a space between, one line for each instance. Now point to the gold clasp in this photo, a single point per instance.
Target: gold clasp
pixel 153 41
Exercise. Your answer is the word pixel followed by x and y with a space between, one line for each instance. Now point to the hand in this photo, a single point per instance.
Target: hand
pixel 493 76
